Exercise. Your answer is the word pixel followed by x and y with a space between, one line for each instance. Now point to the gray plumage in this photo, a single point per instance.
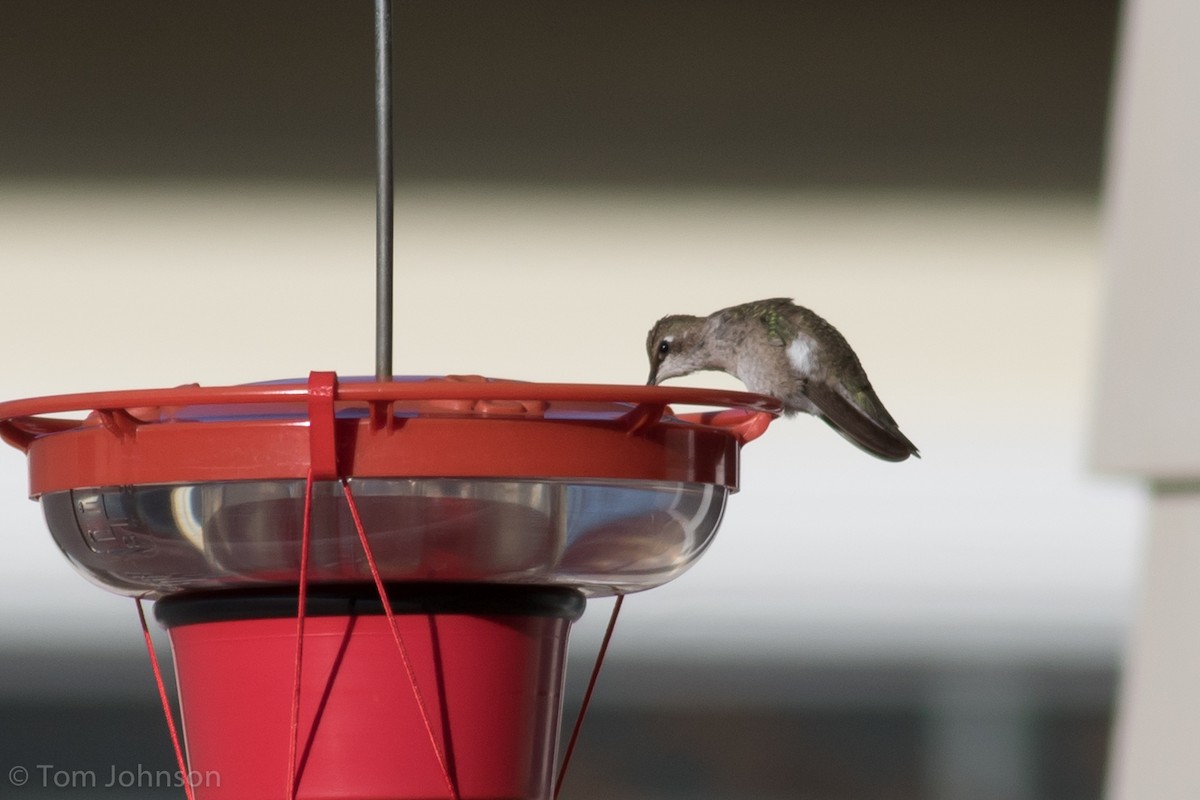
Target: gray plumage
pixel 778 348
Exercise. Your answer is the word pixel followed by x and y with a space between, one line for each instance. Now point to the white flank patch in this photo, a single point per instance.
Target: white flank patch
pixel 800 353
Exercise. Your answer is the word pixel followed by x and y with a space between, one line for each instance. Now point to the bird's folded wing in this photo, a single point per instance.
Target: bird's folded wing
pixel 871 433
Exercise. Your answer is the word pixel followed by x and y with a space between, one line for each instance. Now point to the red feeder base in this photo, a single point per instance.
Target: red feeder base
pixel 489 664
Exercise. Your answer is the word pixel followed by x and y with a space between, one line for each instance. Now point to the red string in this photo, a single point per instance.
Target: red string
pixel 391 618
pixel 305 537
pixel 587 695
pixel 185 775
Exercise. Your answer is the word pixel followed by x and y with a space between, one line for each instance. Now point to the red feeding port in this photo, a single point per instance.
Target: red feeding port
pixel 369 585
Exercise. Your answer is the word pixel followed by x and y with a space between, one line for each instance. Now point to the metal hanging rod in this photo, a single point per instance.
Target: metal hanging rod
pixel 384 191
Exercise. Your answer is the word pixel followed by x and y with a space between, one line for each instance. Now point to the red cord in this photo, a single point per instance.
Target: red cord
pixel 587 695
pixel 293 779
pixel 391 618
pixel 185 775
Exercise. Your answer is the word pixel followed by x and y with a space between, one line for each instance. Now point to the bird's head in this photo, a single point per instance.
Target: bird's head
pixel 676 346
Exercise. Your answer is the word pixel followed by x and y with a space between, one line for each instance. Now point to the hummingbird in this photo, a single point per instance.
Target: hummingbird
pixel 778 348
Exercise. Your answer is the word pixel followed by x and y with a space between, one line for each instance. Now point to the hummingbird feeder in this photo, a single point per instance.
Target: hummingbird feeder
pixel 374 581
pixel 368 584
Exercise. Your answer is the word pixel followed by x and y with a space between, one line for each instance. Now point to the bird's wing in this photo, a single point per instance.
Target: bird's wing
pixel 862 419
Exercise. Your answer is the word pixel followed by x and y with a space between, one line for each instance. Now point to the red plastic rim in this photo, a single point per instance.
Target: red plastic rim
pixel 444 427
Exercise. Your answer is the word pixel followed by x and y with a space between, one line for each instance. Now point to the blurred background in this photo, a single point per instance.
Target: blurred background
pixel 186 195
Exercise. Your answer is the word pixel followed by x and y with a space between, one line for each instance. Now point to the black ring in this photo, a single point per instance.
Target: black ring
pixel 477 599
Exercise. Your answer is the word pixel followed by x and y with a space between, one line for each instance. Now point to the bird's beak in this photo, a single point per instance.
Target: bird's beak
pixel 653 375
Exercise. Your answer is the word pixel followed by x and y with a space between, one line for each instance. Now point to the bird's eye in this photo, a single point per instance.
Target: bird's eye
pixel 664 347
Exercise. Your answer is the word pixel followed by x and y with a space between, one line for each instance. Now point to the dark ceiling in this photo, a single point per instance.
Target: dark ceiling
pixel 862 93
